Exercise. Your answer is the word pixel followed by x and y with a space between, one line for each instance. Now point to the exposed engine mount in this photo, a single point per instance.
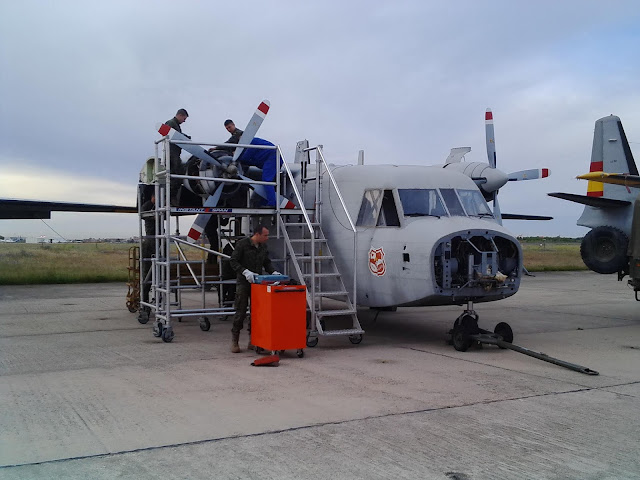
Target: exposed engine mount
pixel 472 264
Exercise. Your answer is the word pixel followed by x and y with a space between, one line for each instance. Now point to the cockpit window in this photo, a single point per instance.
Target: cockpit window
pixel 369 208
pixel 474 203
pixel 388 213
pixel 421 202
pixel 378 208
pixel 452 202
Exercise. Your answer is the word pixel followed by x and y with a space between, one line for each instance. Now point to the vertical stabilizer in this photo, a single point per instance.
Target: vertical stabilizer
pixel 611 154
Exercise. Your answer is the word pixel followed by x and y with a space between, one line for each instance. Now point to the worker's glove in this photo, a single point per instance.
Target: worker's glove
pixel 275 272
pixel 249 275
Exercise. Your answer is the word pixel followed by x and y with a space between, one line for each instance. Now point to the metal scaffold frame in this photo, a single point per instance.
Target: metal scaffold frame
pixel 170 260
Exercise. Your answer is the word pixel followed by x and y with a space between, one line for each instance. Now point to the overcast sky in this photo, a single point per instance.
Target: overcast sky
pixel 84 83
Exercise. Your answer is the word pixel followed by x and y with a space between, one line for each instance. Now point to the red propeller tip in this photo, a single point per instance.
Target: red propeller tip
pixel 488 115
pixel 264 108
pixel 164 129
pixel 545 172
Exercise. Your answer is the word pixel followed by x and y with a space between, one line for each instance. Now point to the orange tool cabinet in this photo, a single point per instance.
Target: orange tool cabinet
pixel 278 317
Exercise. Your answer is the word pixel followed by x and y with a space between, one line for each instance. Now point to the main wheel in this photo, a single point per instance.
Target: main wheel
pixel 461 337
pixel 504 330
pixel 205 324
pixel 604 250
pixel 355 339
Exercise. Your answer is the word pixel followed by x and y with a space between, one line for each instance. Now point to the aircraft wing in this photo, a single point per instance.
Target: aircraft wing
pixel 598 202
pixel 612 178
pixel 517 216
pixel 30 209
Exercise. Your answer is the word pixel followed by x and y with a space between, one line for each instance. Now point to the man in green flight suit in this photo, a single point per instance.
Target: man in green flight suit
pixel 174 154
pixel 247 260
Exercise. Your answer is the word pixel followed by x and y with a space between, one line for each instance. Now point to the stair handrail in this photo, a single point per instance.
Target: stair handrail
pixel 311 232
pixel 320 159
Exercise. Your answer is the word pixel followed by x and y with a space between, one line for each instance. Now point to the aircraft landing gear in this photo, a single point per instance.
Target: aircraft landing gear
pixel 465 330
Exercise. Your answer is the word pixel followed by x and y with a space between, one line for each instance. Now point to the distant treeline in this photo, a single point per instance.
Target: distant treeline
pixel 550 239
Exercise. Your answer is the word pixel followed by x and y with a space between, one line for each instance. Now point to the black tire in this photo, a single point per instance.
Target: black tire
pixel 312 341
pixel 355 339
pixel 157 329
pixel 143 316
pixel 461 337
pixel 300 353
pixel 167 335
pixel 205 324
pixel 604 250
pixel 504 330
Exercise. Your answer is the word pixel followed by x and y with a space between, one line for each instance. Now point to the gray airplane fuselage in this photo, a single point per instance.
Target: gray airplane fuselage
pixel 420 260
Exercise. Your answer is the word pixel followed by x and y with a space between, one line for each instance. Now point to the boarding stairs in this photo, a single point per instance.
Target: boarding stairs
pixel 310 257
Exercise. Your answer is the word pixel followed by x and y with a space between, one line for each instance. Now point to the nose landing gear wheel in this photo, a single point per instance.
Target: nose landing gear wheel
pixel 461 337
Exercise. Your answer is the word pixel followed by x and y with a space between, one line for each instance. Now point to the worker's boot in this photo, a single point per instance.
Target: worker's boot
pixel 235 348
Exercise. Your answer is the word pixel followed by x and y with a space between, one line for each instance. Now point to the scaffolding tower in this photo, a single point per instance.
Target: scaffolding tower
pixel 306 254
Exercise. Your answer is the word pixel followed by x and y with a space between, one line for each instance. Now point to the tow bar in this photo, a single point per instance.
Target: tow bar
pixel 493 339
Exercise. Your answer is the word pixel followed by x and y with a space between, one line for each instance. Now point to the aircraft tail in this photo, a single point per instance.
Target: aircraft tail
pixel 611 154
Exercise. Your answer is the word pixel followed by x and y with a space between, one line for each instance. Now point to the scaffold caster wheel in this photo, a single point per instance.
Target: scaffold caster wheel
pixel 131 307
pixel 167 334
pixel 205 324
pixel 157 329
pixel 300 353
pixel 143 315
pixel 312 341
pixel 355 339
pixel 504 330
pixel 461 337
pixel 259 350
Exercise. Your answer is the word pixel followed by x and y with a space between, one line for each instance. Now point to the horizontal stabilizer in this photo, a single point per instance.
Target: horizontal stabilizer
pixel 517 216
pixel 598 202
pixel 612 178
pixel 26 209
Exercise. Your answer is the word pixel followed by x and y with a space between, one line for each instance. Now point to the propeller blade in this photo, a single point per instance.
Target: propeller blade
pixel 491 140
pixel 195 232
pixel 252 127
pixel 496 208
pixel 531 174
pixel 195 150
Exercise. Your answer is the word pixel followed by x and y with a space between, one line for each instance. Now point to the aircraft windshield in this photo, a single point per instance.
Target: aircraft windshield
pixel 421 202
pixel 474 203
pixel 452 202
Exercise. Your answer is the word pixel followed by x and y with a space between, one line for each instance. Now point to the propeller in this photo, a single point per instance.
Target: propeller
pixel 530 174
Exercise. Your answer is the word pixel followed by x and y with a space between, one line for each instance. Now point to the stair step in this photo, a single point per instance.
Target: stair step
pixel 332 294
pixel 307 240
pixel 335 313
pixel 335 274
pixel 349 331
pixel 300 224
pixel 317 257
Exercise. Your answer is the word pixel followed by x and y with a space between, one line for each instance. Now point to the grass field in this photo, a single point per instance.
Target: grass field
pixel 23 264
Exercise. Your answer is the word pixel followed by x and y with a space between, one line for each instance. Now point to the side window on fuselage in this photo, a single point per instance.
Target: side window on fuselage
pixel 389 212
pixel 378 209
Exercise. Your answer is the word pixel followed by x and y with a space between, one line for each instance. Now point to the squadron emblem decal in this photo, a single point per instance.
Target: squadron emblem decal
pixel 376 261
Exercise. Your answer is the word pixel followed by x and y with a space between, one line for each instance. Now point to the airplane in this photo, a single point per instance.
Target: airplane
pixel 411 235
pixel 611 246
